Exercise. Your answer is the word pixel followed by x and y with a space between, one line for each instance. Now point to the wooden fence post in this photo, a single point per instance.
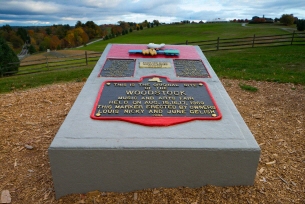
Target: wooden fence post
pixel 253 40
pixel 217 43
pixel 292 37
pixel 86 57
pixel 47 62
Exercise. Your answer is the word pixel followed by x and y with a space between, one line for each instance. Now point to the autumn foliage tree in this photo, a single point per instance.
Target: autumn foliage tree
pixel 287 19
pixel 116 30
pixel 76 37
pixel 55 43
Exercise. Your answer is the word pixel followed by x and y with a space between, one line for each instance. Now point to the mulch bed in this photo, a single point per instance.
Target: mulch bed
pixel 275 114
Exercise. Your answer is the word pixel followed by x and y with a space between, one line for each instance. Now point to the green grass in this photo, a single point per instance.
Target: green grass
pixel 22 82
pixel 172 34
pixel 284 64
pixel 247 87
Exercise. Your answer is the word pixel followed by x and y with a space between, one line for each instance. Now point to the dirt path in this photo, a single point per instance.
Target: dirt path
pixel 275 115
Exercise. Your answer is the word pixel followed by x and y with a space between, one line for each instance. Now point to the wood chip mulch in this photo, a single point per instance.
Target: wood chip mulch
pixel 275 115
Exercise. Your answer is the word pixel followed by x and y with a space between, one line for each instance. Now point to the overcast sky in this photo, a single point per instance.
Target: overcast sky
pixel 39 12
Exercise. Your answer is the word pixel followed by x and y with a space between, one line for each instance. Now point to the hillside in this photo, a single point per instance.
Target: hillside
pixel 172 34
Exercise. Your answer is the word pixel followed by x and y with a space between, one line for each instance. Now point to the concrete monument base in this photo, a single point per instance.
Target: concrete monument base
pixel 120 156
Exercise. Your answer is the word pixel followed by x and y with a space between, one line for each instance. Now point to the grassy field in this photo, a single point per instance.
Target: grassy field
pixel 278 64
pixel 21 82
pixel 172 34
pixel 284 64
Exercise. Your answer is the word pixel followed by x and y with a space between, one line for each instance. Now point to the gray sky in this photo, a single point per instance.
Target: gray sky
pixel 39 12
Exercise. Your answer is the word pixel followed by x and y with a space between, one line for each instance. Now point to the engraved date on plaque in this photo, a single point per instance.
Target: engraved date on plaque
pixel 155 100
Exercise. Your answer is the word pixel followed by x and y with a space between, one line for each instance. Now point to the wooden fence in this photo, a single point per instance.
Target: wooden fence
pixel 51 63
pixel 73 61
pixel 248 42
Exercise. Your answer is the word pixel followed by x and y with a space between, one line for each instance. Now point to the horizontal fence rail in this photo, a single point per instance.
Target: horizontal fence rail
pixel 50 63
pixel 294 38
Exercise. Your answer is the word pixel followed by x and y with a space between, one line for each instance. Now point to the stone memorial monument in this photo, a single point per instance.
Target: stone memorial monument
pixel 150 117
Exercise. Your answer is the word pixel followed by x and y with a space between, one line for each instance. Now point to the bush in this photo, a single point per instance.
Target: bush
pixel 9 62
pixel 32 49
pixel 301 25
pixel 287 19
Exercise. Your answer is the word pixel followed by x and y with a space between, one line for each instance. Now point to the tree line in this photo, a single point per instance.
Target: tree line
pixel 60 36
pixel 51 37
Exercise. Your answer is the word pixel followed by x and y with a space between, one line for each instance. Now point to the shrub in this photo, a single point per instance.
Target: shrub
pixel 32 49
pixel 9 62
pixel 287 19
pixel 301 25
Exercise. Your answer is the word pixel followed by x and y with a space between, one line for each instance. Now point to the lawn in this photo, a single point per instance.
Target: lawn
pixel 173 34
pixel 285 64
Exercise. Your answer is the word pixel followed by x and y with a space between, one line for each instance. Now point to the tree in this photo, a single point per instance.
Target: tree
pixel 301 24
pixel 7 28
pixel 116 30
pixel 144 23
pixel 9 62
pixel 23 34
pixel 287 19
pixel 54 43
pixel 48 31
pixel 32 49
pixel 156 22
pixel 45 44
pixel 92 29
pixel 78 24
pixel 124 25
pixel 16 41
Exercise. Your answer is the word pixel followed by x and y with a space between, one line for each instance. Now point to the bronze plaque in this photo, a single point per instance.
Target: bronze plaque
pixel 155 101
pixel 190 68
pixel 118 68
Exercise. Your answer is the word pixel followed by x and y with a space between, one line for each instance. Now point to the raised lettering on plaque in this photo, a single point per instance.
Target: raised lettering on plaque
pixel 155 101
pixel 190 68
pixel 155 65
pixel 118 68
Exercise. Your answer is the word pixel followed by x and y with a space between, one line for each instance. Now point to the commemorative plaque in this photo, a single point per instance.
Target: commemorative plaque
pixel 118 68
pixel 155 101
pixel 191 68
pixel 152 118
